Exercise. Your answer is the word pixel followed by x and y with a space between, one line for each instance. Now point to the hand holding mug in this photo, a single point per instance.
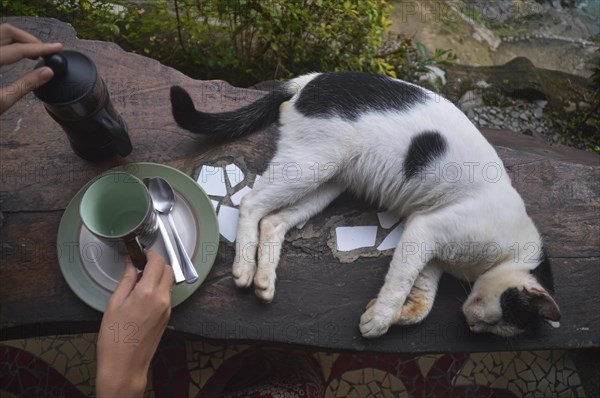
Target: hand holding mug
pixel 133 323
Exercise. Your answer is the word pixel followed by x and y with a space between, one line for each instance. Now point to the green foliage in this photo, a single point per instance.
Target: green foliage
pixel 92 19
pixel 581 129
pixel 247 41
pixel 595 77
pixel 277 39
pixel 284 38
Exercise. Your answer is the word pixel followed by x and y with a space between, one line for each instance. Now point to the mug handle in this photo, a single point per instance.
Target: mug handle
pixel 136 252
pixel 117 130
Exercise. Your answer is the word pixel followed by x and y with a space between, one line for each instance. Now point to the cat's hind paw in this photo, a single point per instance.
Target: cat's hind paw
pixel 372 323
pixel 413 311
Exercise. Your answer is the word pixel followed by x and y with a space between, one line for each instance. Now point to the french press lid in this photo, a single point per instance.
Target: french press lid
pixel 74 76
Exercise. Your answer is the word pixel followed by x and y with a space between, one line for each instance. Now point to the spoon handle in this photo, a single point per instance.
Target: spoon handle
pixel 177 272
pixel 189 270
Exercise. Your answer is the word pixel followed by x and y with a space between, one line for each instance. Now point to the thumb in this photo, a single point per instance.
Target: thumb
pixel 15 91
pixel 126 284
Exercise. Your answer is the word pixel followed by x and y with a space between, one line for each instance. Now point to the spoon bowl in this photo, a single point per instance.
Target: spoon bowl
pixel 163 198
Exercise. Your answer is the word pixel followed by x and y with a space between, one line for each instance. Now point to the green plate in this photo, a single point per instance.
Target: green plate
pixel 92 268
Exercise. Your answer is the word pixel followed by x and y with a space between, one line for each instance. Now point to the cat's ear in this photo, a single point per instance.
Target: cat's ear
pixel 545 304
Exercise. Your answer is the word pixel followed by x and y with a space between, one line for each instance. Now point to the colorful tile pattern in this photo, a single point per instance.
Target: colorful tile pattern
pixel 65 366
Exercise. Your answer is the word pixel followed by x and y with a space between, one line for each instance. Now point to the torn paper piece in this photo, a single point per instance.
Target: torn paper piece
pixel 391 241
pixel 212 180
pixel 235 175
pixel 387 219
pixel 214 204
pixel 236 198
pixel 228 221
pixel 350 238
pixel 258 177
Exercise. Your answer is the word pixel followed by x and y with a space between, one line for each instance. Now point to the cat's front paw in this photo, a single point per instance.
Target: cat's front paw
pixel 243 273
pixel 374 322
pixel 264 284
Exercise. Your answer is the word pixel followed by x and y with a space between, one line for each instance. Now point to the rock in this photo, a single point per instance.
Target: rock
pixel 471 99
pixel 584 106
pixel 519 79
pixel 555 138
pixel 434 75
pixel 482 34
pixel 570 108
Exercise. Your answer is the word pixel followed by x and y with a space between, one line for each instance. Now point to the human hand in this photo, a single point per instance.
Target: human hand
pixel 134 320
pixel 16 44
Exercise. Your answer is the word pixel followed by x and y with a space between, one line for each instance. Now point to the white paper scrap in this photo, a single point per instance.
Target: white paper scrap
pixel 212 180
pixel 350 238
pixel 234 174
pixel 391 240
pixel 256 179
pixel 387 219
pixel 214 204
pixel 236 198
pixel 228 221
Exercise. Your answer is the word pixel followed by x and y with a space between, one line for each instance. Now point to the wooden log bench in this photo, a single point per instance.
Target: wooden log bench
pixel 320 293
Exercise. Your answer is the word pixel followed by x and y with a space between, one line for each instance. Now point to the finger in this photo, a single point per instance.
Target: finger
pixel 154 269
pixel 10 34
pixel 167 279
pixel 17 51
pixel 15 91
pixel 126 284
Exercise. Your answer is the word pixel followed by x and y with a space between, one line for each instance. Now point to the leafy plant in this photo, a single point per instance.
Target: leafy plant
pixel 247 41
pixel 595 77
pixel 278 39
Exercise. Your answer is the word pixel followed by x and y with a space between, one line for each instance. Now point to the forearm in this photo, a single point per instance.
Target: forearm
pixel 126 385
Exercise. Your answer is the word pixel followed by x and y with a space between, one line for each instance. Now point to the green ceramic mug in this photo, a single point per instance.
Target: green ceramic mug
pixel 117 207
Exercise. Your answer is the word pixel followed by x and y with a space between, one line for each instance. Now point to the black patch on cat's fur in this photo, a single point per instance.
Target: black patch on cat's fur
pixel 349 94
pixel 518 310
pixel 424 148
pixel 253 117
pixel 543 272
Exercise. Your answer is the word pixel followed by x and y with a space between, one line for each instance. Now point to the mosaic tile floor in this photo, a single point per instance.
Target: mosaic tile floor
pixel 66 365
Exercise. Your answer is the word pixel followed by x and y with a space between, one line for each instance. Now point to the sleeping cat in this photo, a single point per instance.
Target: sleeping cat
pixel 405 149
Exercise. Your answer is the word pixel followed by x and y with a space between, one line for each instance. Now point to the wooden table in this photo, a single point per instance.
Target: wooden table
pixel 319 299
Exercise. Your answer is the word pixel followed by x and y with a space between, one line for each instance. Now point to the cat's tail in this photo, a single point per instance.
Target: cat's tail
pixel 248 119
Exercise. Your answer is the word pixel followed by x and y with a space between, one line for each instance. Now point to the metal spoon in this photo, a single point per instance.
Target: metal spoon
pixel 177 271
pixel 163 197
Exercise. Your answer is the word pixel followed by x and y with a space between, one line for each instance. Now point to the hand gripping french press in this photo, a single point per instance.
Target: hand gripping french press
pixel 77 99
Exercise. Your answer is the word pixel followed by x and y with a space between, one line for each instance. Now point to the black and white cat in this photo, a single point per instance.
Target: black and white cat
pixel 405 149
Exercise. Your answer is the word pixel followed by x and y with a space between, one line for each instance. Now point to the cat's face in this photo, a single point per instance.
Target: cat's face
pixel 508 302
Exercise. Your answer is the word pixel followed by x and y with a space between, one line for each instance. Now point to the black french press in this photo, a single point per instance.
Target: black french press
pixel 77 99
